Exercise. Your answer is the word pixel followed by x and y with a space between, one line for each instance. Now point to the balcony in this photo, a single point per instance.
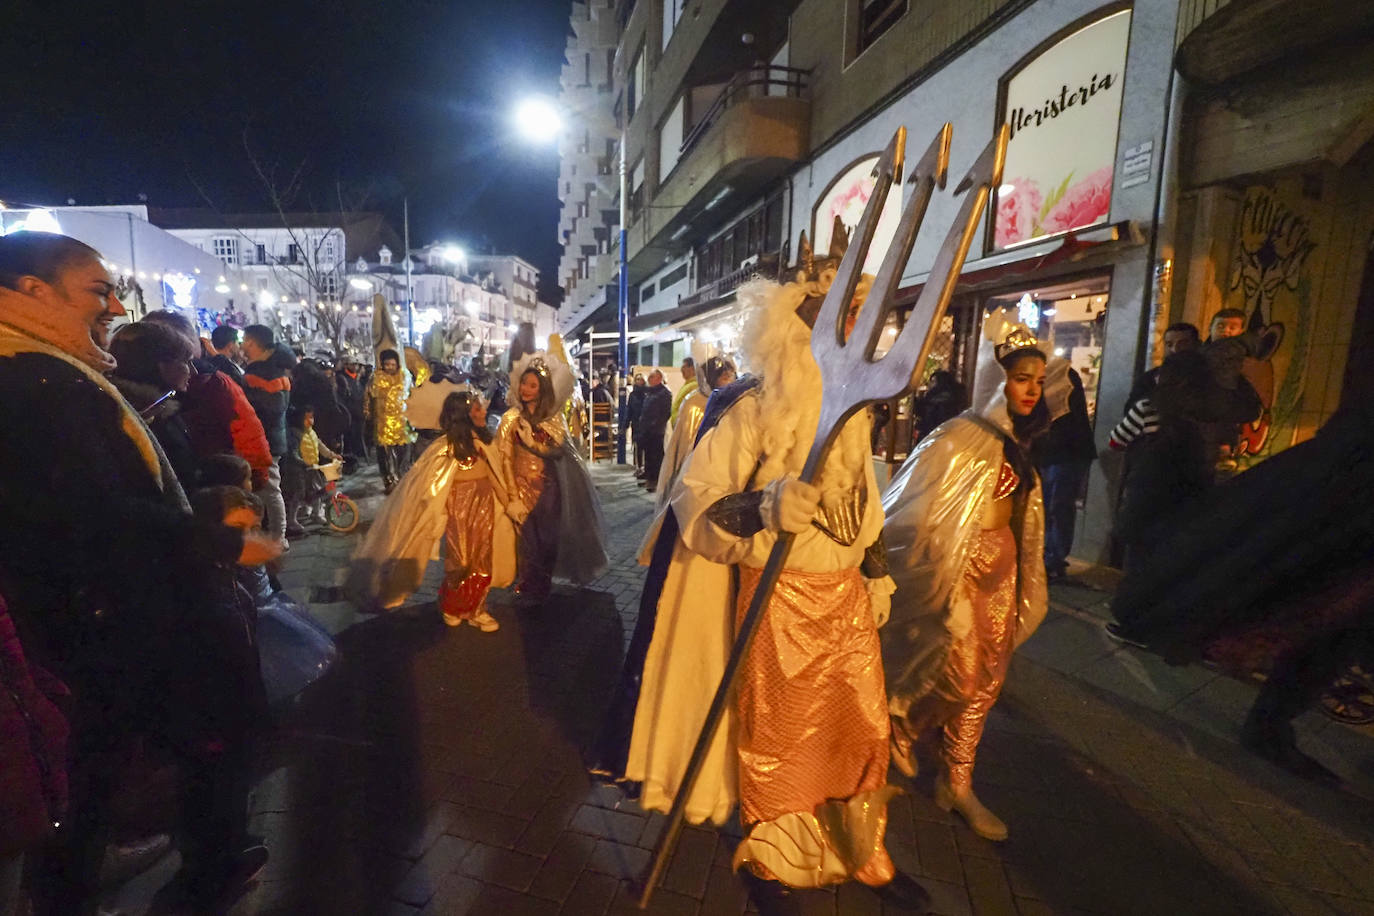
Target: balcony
pixel 754 131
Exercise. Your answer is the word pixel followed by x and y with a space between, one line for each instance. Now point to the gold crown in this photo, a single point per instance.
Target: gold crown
pixel 1018 338
pixel 539 366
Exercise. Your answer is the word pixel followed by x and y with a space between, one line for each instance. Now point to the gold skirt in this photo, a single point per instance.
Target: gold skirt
pixel 813 733
pixel 467 543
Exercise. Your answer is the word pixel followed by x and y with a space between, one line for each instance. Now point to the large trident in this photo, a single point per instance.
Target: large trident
pixel 851 378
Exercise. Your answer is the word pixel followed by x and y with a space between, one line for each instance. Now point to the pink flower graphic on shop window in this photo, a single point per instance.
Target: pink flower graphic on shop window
pixel 1018 212
pixel 849 206
pixel 1084 203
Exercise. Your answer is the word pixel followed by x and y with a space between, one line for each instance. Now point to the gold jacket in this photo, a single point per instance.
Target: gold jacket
pixel 386 400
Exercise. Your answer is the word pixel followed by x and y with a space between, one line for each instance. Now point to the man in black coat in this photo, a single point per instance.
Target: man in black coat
pixel 1063 456
pixel 98 555
pixel 653 423
pixel 267 383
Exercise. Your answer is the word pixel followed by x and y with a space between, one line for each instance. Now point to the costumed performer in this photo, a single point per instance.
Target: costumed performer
pixel 674 663
pixel 810 723
pixel 386 407
pixel 454 493
pixel 476 505
pixel 714 373
pixel 551 494
pixel 965 539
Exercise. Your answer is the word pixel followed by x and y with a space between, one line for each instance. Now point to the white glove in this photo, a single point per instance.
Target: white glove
pixel 517 511
pixel 789 505
pixel 880 598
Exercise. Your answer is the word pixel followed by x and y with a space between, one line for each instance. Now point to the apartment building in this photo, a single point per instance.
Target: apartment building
pixel 588 180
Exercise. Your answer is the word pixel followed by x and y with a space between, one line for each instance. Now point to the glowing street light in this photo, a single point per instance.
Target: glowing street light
pixel 453 253
pixel 537 120
pixel 360 283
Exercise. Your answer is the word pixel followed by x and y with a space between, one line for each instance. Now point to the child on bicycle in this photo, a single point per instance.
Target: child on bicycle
pixel 307 449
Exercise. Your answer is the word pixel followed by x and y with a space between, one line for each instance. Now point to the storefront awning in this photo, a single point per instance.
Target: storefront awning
pixel 1071 248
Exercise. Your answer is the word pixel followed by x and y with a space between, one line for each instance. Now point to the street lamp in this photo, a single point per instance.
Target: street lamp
pixel 537 119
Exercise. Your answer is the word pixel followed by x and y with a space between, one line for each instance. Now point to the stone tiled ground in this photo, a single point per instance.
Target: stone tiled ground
pixel 438 772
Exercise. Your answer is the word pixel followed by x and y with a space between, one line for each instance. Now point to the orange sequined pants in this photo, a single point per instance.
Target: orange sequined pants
pixel 813 723
pixel 467 543
pixel 977 665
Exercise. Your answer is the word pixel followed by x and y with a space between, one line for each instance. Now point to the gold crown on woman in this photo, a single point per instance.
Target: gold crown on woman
pixel 1018 337
pixel 538 365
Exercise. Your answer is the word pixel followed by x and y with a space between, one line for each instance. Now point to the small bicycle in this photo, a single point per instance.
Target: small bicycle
pixel 340 512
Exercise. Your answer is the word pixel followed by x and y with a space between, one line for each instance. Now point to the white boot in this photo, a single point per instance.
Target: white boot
pixel 980 820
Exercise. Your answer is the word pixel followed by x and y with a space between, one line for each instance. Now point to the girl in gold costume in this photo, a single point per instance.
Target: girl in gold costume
pixel 965 533
pixel 475 499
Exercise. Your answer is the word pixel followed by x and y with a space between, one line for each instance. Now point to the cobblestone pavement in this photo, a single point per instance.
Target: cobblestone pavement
pixel 437 771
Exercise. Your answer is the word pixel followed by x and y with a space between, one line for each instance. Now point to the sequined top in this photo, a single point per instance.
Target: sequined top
pixel 1007 481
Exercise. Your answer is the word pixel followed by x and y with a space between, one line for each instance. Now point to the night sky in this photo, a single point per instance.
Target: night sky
pixel 104 102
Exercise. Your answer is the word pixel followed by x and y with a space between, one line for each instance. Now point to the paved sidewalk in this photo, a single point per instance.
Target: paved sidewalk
pixel 438 772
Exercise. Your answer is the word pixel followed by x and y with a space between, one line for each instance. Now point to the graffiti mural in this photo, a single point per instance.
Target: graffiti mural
pixel 1270 281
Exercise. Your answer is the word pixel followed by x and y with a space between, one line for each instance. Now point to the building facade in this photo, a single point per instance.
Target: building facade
pixel 588 179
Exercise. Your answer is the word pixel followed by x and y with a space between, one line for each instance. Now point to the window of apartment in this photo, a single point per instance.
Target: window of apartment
pixel 636 188
pixel 587 69
pixel 293 254
pixel 635 84
pixel 670 135
pixel 672 276
pixel 329 286
pixel 672 12
pixel 873 18
pixel 261 254
pixel 227 250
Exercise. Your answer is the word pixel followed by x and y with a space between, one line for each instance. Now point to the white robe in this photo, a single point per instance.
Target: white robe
pixel 695 625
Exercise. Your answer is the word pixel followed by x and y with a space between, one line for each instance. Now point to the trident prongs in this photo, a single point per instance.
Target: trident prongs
pixel 929 172
pixel 911 345
pixel 835 307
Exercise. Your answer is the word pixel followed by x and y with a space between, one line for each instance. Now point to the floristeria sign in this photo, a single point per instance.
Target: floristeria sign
pixel 1062 109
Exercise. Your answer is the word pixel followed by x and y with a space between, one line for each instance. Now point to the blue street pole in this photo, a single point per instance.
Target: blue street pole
pixel 624 310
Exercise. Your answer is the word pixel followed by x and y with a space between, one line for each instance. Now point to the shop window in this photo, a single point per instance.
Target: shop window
pixel 1069 319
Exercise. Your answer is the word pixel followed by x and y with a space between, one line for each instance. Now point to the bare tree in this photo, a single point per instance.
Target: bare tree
pixel 313 271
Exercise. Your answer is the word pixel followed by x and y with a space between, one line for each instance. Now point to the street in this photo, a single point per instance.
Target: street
pixel 437 771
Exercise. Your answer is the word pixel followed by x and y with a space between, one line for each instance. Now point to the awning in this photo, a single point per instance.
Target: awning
pixel 1071 248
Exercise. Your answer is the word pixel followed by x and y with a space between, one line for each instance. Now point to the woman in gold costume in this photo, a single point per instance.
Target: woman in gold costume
pixel 551 494
pixel 965 532
pixel 386 407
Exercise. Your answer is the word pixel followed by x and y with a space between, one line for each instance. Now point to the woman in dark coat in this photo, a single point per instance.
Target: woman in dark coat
pixel 634 406
pixel 155 361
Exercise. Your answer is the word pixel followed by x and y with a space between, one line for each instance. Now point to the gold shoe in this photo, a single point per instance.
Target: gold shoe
pixel 979 819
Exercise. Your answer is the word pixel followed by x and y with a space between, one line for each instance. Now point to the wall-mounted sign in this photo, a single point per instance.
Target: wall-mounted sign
pixel 846 198
pixel 1062 109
